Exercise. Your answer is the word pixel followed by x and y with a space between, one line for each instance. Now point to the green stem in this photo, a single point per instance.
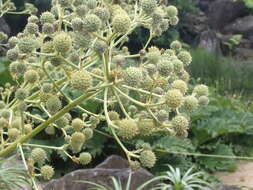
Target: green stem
pixel 42 126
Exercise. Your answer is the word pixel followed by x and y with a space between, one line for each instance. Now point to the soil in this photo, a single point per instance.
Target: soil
pixel 243 176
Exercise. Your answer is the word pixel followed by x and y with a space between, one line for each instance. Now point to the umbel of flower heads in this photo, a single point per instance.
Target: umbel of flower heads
pixel 79 46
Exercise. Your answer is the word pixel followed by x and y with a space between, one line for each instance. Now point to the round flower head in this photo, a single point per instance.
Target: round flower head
pixel 147 158
pixel 178 65
pixel 176 45
pixel 148 6
pixel 162 115
pixel 180 85
pixel 47 172
pixel 171 11
pixel 102 13
pixel 32 28
pixel 31 76
pixel 28 128
pixel 47 17
pixel 99 46
pixel 33 19
pixel 39 155
pixel 180 123
pixel 185 57
pixel 77 141
pixel 13 41
pixel 47 87
pixel 88 133
pixel 48 47
pixel 146 127
pixel 21 94
pixel 184 76
pixel 92 23
pixel 133 76
pixel 82 40
pixel 62 42
pixel 62 122
pixel 50 130
pixel 12 54
pixel 190 103
pixel 85 158
pixel 151 68
pixel 203 100
pixel 128 128
pixel 26 45
pixel 174 98
pixel 16 123
pixel 13 134
pixel 165 67
pixel 53 104
pixel 5 113
pixel 157 16
pixel 91 4
pixel 82 10
pixel 153 55
pixel 81 80
pixel 113 115
pixel 121 23
pixel 174 20
pixel 134 165
pixel 77 24
pixel 201 90
pixel 77 124
pixel 48 28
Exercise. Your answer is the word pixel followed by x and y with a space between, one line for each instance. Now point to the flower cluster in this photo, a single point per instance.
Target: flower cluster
pixel 78 46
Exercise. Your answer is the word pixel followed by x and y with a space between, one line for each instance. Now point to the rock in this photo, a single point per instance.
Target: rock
pixel 113 162
pixel 4 27
pixel 242 25
pixel 227 187
pixel 244 53
pixel 209 41
pixel 223 12
pixel 101 174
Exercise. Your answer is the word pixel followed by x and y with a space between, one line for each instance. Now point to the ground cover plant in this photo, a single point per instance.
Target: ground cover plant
pixel 74 78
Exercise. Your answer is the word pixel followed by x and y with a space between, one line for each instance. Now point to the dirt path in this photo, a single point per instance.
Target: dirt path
pixel 242 176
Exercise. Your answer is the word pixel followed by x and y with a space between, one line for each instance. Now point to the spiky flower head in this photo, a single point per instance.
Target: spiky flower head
pixel 178 65
pixel 50 130
pixel 13 41
pixel 31 76
pixel 153 55
pixel 100 46
pixel 171 11
pixel 81 80
pixel 133 76
pixel 77 124
pixel 147 158
pixel 113 115
pixel 121 23
pixel 47 17
pixel 47 172
pixel 21 94
pixel 62 42
pixel 62 122
pixel 201 90
pixel 32 28
pixel 53 104
pixel 180 85
pixel 77 141
pixel 28 128
pixel 39 155
pixel 203 100
pixel 88 133
pixel 48 28
pixel 102 13
pixel 180 123
pixel 33 19
pixel 13 134
pixel 77 24
pixel 128 128
pixel 146 127
pixel 176 45
pixel 85 158
pixel 174 98
pixel 12 54
pixel 185 57
pixel 26 45
pixel 91 23
pixel 174 20
pixel 165 67
pixel 148 6
pixel 190 103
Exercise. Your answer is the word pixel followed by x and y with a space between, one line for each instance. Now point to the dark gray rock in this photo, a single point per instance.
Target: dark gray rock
pixel 242 25
pixel 101 174
pixel 210 42
pixel 4 27
pixel 223 12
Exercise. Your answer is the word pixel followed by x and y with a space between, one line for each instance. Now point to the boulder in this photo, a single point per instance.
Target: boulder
pixel 223 12
pixel 101 174
pixel 242 26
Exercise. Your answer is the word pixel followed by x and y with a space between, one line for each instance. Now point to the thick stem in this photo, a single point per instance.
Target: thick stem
pixel 42 126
